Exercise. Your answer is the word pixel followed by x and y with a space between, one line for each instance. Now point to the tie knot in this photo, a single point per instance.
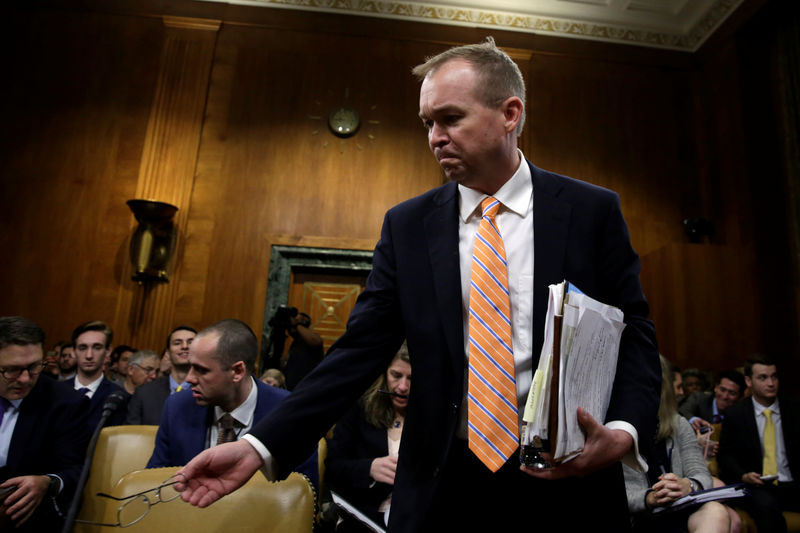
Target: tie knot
pixel 768 413
pixel 226 421
pixel 490 206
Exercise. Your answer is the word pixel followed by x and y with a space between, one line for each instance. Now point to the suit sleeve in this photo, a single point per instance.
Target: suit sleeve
pixel 374 333
pixel 161 451
pixel 636 393
pixel 69 437
pixel 733 447
pixel 689 408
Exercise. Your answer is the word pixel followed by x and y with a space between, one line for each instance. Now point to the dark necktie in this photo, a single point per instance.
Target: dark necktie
pixel 225 433
pixel 717 419
pixel 84 391
pixel 4 406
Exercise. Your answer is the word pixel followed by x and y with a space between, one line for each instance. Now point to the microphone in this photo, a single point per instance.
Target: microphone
pixel 112 403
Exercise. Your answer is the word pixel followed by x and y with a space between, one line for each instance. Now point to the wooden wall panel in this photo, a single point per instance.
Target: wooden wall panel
pixel 249 156
pixel 75 102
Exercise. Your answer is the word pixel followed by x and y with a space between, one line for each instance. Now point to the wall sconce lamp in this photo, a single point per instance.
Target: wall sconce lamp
pixel 153 242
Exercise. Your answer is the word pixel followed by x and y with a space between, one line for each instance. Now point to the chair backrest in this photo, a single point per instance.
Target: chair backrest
pixel 260 505
pixel 120 449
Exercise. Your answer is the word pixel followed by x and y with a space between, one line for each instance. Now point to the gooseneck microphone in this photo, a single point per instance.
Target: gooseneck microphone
pixel 112 403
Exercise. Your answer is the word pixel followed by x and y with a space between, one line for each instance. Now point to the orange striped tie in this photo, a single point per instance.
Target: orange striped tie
pixel 492 392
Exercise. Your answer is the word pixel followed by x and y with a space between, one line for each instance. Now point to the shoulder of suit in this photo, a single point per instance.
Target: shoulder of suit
pixel 268 390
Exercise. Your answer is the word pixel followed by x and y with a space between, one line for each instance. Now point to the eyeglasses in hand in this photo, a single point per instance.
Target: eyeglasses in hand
pixel 136 506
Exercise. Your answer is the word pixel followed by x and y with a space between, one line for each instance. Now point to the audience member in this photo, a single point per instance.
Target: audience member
pixel 67 364
pixel 43 433
pixel 148 400
pixel 142 368
pixel 306 350
pixel 165 367
pixel 274 378
pixel 362 456
pixel 51 369
pixel 676 467
pixel 702 408
pixel 760 446
pixel 224 400
pixel 118 364
pixel 92 342
pixel 694 380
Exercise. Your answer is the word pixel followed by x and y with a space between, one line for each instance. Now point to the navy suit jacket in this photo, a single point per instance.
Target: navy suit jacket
pixel 414 292
pixel 184 425
pixel 50 437
pixel 355 444
pixel 97 401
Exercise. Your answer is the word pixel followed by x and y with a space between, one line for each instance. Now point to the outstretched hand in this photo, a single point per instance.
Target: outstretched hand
pixel 602 448
pixel 218 471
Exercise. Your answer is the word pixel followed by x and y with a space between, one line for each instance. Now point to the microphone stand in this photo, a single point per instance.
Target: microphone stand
pixel 112 403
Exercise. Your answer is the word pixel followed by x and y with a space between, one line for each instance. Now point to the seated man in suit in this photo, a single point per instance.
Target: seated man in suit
pixel 224 401
pixel 760 446
pixel 43 433
pixel 702 408
pixel 92 341
pixel 148 401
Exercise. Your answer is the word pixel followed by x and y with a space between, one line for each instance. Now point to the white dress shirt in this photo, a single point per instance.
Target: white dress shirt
pixel 91 386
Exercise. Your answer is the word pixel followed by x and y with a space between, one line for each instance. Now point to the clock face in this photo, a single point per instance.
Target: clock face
pixel 344 121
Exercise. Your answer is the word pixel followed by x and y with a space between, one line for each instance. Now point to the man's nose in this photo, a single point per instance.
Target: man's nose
pixel 437 136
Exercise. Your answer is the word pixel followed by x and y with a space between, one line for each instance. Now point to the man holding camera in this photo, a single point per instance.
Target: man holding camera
pixel 306 350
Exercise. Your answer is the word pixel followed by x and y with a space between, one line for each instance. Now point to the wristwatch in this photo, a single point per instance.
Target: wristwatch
pixel 693 483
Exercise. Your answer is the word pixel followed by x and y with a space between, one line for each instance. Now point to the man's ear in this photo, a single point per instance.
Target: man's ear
pixel 512 109
pixel 239 371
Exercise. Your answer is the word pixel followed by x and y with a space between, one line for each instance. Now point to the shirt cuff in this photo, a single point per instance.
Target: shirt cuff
pixel 269 467
pixel 632 457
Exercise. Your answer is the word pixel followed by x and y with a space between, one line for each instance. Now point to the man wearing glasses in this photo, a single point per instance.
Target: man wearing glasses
pixel 142 368
pixel 43 433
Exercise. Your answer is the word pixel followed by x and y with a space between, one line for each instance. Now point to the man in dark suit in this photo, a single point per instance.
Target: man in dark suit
pixel 222 358
pixel 43 433
pixel 92 341
pixel 472 104
pixel 744 455
pixel 147 402
pixel 702 409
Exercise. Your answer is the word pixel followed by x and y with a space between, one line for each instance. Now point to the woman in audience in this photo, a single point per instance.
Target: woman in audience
pixel 274 378
pixel 676 468
pixel 362 455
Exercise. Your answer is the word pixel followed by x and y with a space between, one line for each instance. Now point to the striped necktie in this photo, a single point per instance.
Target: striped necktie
pixel 226 433
pixel 492 393
pixel 770 465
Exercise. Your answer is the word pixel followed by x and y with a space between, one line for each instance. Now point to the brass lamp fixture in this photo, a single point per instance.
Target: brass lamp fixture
pixel 153 242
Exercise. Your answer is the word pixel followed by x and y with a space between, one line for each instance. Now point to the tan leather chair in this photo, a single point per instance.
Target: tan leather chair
pixel 260 506
pixel 120 449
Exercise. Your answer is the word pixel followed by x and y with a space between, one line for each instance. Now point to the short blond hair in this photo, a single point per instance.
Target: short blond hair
pixel 500 78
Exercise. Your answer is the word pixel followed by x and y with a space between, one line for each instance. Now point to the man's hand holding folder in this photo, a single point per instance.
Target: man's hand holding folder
pixel 603 447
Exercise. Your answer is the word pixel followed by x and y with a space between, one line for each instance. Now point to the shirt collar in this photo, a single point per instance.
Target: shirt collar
pixel 775 408
pixel 173 385
pixel 515 194
pixel 91 386
pixel 244 413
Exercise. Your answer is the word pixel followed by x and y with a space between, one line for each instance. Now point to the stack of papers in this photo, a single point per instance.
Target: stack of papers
pixel 727 492
pixel 577 367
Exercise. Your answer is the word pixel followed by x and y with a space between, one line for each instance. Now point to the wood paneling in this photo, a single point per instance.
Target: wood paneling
pixel 104 102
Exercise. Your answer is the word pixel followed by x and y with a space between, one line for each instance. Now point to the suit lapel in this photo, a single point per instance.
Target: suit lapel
pixel 551 217
pixel 441 232
pixel 25 427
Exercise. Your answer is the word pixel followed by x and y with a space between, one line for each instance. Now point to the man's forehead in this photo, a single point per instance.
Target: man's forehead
pixel 13 352
pixel 727 384
pixel 91 337
pixel 182 334
pixel 758 368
